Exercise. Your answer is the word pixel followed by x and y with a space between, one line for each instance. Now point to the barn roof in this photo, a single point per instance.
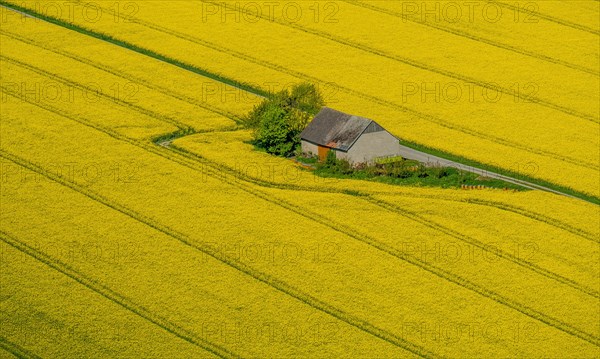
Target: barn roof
pixel 335 129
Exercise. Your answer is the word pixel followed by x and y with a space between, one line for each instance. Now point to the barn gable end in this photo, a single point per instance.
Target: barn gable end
pixel 373 127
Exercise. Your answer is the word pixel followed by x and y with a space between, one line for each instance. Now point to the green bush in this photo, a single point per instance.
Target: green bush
pixel 400 172
pixel 373 171
pixel 306 98
pixel 440 172
pixel 333 165
pixel 273 132
pixel 278 121
pixel 331 160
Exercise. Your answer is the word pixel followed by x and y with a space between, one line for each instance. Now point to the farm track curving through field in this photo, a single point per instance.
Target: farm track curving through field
pixel 405 213
pixel 217 174
pixel 499 205
pixel 115 297
pixel 486 203
pixel 473 37
pixel 410 62
pixel 411 215
pixel 388 206
pixel 256 91
pixel 294 187
pixel 210 108
pixel 282 286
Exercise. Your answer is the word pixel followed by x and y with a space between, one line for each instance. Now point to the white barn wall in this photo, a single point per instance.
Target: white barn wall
pixel 308 147
pixel 370 146
pixel 341 155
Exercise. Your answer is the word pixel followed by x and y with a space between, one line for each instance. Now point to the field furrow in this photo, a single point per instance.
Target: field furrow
pixel 512 40
pixel 111 296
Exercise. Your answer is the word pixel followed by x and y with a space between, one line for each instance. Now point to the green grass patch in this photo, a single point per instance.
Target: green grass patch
pixel 399 171
pixel 308 160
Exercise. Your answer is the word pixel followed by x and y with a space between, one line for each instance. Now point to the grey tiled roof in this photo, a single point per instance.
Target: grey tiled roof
pixel 335 129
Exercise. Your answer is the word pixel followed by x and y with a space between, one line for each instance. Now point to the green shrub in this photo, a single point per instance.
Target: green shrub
pixel 401 172
pixel 373 171
pixel 306 98
pixel 278 121
pixel 440 172
pixel 333 165
pixel 273 132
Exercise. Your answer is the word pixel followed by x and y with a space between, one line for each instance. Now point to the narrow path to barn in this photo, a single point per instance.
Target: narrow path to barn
pixel 429 159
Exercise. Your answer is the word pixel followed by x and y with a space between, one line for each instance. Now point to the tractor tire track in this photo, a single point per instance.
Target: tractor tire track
pixel 473 37
pixel 413 63
pixel 382 102
pixel 474 242
pixel 282 286
pixel 17 350
pixel 548 17
pixel 115 297
pixel 516 210
pixel 181 126
pixel 163 90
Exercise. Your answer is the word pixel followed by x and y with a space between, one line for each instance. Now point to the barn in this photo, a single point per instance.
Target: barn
pixel 353 138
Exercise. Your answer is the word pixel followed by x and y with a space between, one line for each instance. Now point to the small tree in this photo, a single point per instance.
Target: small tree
pixel 306 98
pixel 279 120
pixel 273 132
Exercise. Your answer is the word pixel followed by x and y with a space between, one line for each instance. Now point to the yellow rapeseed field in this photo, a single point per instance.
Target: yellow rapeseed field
pixel 501 109
pixel 528 28
pixel 138 220
pixel 307 276
pixel 474 237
